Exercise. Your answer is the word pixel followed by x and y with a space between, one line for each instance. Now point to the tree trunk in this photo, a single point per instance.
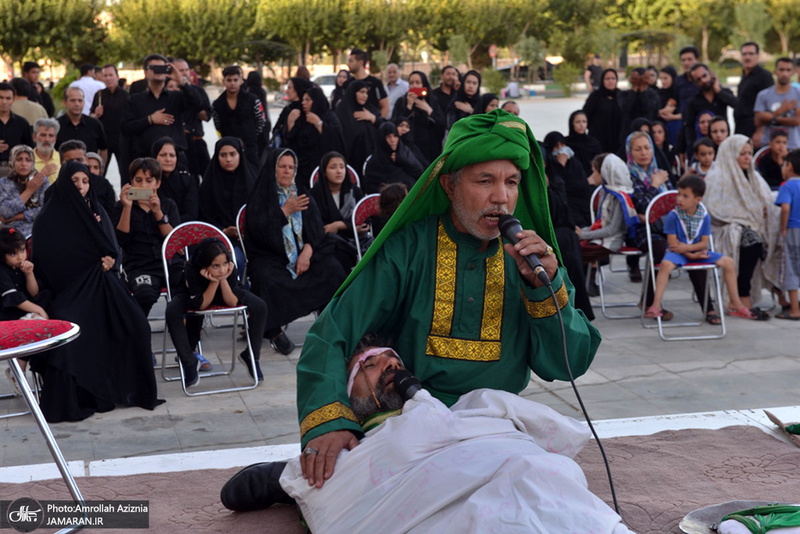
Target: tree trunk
pixel 705 43
pixel 784 42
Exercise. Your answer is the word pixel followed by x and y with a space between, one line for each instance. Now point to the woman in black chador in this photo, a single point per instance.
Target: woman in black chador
pixel 391 162
pixel 360 121
pixel 313 132
pixel 75 253
pixel 290 262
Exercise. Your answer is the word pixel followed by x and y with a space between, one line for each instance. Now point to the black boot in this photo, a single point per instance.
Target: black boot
pixel 254 488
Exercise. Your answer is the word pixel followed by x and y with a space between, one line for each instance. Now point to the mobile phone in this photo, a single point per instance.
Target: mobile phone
pixel 161 69
pixel 139 193
pixel 419 91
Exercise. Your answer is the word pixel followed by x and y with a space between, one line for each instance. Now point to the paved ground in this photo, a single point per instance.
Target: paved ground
pixel 634 374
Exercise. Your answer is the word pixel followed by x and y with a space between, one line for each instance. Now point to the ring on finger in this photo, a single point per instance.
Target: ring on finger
pixel 548 251
pixel 310 451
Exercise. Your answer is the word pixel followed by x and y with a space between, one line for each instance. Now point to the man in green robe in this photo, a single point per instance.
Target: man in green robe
pixel 464 310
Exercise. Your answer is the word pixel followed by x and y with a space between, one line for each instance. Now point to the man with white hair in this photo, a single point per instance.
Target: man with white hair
pixel 395 85
pixel 46 157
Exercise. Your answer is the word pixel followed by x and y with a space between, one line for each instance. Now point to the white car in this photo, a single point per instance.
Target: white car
pixel 326 82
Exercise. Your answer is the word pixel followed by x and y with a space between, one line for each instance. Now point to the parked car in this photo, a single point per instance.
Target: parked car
pixel 326 82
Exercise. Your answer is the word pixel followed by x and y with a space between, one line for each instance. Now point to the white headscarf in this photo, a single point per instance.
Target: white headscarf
pixel 735 201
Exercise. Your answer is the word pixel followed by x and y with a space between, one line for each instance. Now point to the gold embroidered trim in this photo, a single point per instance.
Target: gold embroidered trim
pixel 463 349
pixel 445 293
pixel 546 308
pixel 513 124
pixel 325 414
pixel 493 294
pixel 378 419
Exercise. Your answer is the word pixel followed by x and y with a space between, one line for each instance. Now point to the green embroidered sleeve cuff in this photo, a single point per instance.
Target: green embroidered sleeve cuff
pixel 539 302
pixel 328 418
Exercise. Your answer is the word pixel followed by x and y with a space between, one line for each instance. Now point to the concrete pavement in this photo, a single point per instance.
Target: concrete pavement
pixel 635 374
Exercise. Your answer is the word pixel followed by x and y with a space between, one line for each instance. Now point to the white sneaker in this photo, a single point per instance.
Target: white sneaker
pixel 13 379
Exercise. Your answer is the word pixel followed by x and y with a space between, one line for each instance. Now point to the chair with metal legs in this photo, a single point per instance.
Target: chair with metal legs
pixel 24 338
pixel 180 239
pixel 660 206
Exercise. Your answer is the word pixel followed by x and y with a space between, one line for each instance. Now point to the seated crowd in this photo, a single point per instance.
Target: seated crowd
pixel 96 256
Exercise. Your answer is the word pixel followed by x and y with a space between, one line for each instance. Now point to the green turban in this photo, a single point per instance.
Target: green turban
pixel 479 138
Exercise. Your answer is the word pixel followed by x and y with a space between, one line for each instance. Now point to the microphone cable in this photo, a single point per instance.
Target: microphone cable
pixel 580 400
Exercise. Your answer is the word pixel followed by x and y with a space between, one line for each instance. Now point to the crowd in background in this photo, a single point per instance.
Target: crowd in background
pixel 301 178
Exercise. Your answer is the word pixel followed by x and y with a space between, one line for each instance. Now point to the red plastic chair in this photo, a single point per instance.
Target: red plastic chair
pixel 180 239
pixel 365 208
pixel 660 206
pixel 24 338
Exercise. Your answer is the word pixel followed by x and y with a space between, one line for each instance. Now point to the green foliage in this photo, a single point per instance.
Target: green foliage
pixel 378 61
pixel 201 31
pixel 58 89
pixel 66 30
pixel 530 50
pixel 493 81
pixel 459 50
pixel 752 21
pixel 565 75
pixel 435 76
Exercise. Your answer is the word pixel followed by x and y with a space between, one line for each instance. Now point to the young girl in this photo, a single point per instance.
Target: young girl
pixel 211 279
pixel 337 196
pixel 19 287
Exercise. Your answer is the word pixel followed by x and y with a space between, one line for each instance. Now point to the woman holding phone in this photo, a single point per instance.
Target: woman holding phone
pixel 425 117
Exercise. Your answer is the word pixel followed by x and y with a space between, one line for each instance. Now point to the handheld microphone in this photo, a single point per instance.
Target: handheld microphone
pixel 509 226
pixel 406 384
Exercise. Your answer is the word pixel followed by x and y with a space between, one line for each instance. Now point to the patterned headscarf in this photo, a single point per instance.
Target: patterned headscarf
pixel 643 174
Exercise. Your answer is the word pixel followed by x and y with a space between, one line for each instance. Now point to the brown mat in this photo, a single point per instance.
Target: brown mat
pixel 659 479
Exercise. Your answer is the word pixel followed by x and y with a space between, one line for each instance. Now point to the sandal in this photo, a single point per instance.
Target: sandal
pixel 742 312
pixel 653 313
pixel 785 315
pixel 205 365
pixel 713 317
pixel 666 315
pixel 760 315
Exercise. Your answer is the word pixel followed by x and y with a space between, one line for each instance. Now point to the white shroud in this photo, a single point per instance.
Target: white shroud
pixel 493 463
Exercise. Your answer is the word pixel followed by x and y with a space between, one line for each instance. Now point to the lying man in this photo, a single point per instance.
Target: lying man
pixel 493 462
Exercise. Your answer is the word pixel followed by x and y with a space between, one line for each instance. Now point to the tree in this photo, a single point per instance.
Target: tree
pixel 752 21
pixel 203 32
pixel 785 15
pixel 298 22
pixel 63 29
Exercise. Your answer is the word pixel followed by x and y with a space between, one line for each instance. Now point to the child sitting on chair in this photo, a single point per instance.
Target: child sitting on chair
pixel 688 228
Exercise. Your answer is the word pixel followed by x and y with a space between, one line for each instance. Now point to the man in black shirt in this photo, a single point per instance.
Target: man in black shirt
pixel 76 125
pixel 593 74
pixel 108 106
pixel 710 96
pixel 356 62
pixel 197 150
pixel 755 79
pixel 14 130
pixel 447 88
pixel 31 71
pixel 156 112
pixel 238 113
